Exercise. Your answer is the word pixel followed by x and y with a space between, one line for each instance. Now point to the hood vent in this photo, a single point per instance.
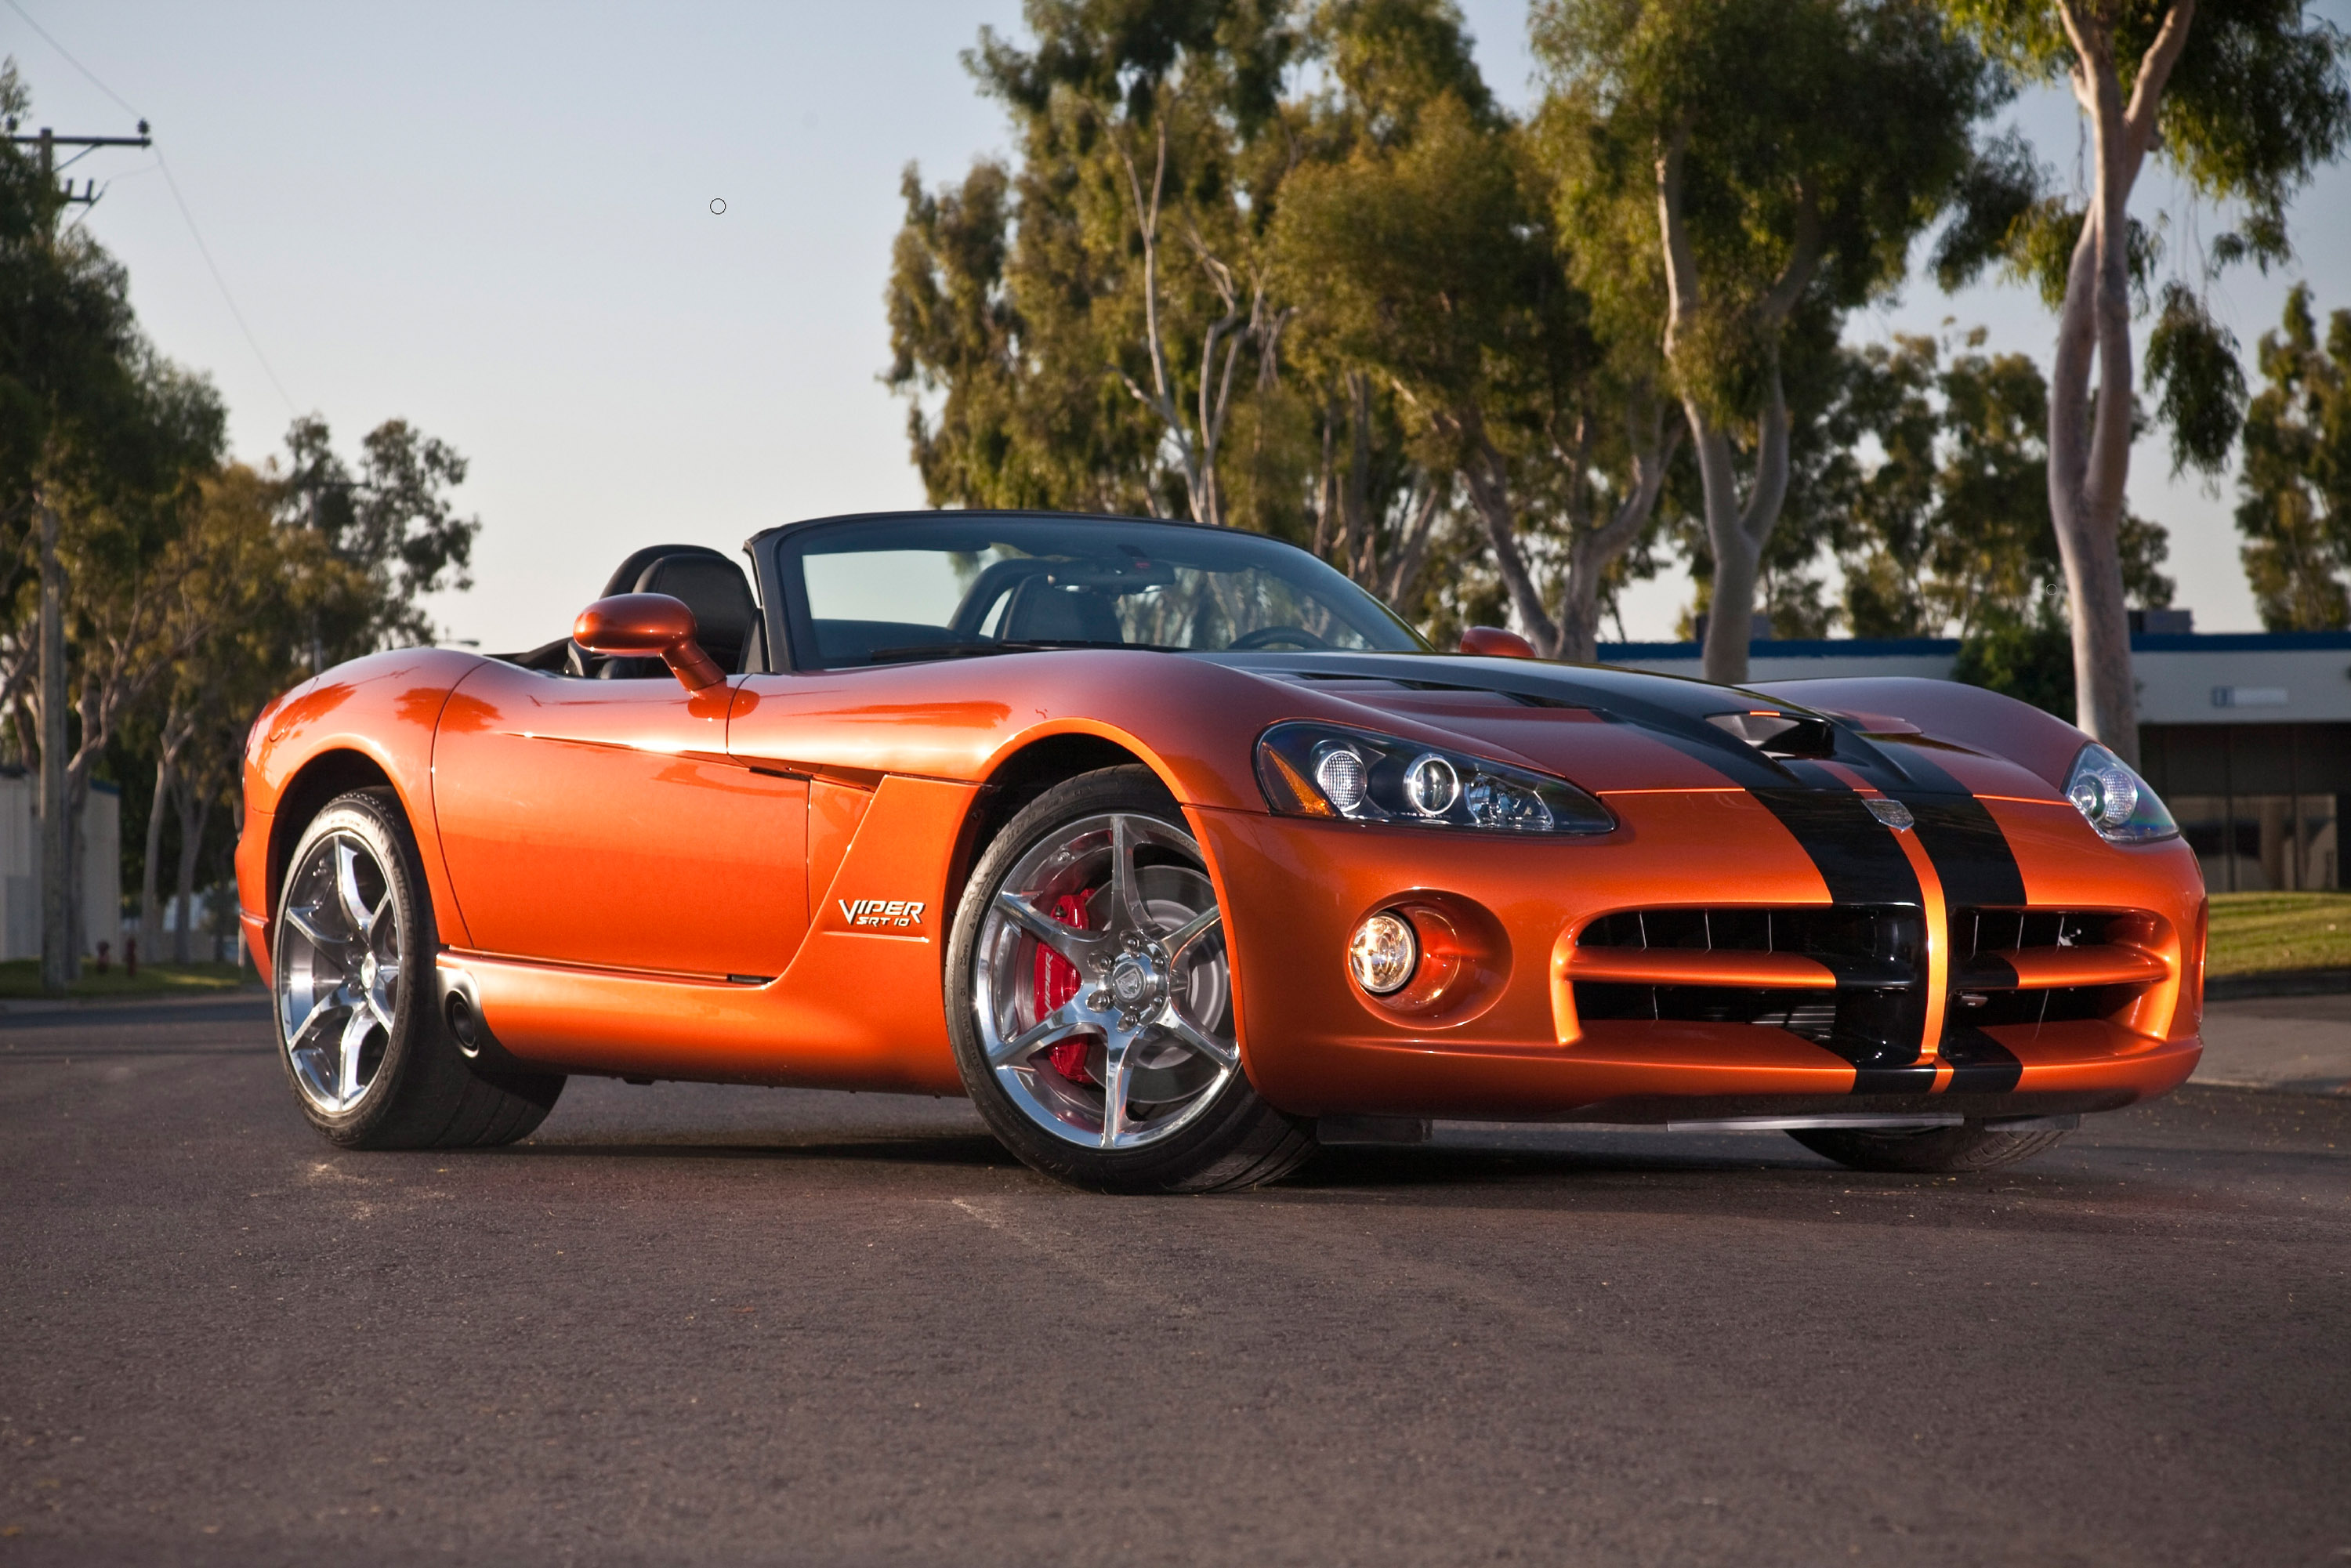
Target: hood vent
pixel 1779 735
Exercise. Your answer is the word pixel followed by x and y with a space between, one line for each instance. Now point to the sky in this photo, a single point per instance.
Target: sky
pixel 495 221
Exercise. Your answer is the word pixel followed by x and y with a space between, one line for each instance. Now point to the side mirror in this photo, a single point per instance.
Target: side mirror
pixel 645 626
pixel 1494 642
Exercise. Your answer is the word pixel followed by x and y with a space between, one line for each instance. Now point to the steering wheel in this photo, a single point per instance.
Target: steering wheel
pixel 1267 636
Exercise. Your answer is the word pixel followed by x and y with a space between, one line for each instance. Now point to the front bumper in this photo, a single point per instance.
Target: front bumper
pixel 1509 1044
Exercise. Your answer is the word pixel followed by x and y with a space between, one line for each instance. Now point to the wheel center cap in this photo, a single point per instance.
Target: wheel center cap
pixel 367 971
pixel 1131 980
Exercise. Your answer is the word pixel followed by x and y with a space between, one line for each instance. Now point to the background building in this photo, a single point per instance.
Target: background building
pixel 20 867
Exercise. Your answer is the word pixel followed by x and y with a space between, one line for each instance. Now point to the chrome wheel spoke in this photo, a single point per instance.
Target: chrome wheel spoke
pixel 354 1041
pixel 1125 896
pixel 1077 946
pixel 381 911
pixel 347 887
pixel 1063 1021
pixel 305 926
pixel 1192 1037
pixel 298 1036
pixel 1179 941
pixel 1117 1068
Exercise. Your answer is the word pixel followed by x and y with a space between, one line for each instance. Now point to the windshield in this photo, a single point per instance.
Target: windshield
pixel 948 585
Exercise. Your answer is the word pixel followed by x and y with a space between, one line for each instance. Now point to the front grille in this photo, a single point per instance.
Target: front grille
pixel 1851 978
pixel 1868 1005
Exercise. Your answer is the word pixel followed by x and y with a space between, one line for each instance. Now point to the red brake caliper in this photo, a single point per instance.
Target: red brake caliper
pixel 1056 982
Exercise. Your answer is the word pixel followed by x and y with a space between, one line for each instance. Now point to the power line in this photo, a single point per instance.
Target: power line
pixel 179 200
pixel 226 297
pixel 69 58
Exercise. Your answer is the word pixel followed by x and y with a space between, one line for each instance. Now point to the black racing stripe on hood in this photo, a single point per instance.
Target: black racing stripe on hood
pixel 1671 709
pixel 1970 853
pixel 1980 1064
pixel 1855 852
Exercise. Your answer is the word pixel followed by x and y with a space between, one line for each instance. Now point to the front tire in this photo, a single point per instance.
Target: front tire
pixel 1936 1151
pixel 371 1064
pixel 1090 999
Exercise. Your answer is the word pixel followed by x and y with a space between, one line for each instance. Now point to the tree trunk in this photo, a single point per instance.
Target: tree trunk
pixel 196 809
pixel 1736 530
pixel 1592 554
pixel 1326 488
pixel 1736 533
pixel 2090 433
pixel 178 728
pixel 150 923
pixel 1356 533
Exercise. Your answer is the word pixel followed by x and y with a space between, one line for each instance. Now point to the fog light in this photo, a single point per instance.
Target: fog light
pixel 1383 954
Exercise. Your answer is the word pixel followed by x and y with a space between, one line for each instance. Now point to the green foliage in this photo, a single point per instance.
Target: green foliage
pixel 1930 484
pixel 387 533
pixel 1020 304
pixel 1833 123
pixel 2193 359
pixel 2029 659
pixel 2294 506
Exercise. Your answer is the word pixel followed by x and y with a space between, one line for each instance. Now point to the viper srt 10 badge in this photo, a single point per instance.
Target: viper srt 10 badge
pixel 877 913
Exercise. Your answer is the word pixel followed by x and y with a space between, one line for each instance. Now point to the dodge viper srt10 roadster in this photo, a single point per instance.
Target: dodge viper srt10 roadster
pixel 1178 854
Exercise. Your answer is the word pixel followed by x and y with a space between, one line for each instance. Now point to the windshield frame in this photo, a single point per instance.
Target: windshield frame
pixel 776 555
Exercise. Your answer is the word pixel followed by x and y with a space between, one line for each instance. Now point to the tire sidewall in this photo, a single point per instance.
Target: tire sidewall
pixel 374 817
pixel 1159 1166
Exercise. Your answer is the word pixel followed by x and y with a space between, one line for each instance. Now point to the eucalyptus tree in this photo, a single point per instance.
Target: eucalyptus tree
pixel 2244 100
pixel 1727 166
pixel 1151 153
pixel 2294 506
pixel 1424 246
pixel 387 531
pixel 1943 528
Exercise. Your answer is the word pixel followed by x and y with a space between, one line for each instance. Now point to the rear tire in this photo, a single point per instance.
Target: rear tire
pixel 1089 953
pixel 360 1034
pixel 1971 1146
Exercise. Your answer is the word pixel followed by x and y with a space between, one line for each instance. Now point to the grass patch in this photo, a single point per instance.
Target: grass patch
pixel 2253 933
pixel 21 977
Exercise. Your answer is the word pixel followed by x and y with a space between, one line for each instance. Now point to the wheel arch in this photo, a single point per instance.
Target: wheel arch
pixel 1020 774
pixel 335 771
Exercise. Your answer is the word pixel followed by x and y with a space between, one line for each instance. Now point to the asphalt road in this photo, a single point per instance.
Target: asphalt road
pixel 704 1325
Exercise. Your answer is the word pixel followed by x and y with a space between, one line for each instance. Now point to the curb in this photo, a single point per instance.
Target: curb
pixel 2278 983
pixel 27 1007
pixel 2329 1087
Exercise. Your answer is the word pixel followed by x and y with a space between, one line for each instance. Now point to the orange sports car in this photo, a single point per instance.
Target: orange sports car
pixel 1180 853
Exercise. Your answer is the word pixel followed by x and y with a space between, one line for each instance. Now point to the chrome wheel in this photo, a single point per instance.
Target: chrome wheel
pixel 338 967
pixel 1100 983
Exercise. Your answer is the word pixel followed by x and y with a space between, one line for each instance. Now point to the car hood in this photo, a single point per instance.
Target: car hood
pixel 1613 730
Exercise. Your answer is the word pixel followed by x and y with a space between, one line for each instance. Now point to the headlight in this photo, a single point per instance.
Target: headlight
pixel 1323 770
pixel 2116 800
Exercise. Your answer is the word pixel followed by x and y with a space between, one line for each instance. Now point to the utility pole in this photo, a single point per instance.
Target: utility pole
pixel 60 957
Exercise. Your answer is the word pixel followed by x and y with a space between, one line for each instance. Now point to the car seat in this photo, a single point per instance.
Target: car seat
pixel 725 616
